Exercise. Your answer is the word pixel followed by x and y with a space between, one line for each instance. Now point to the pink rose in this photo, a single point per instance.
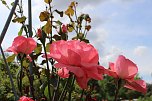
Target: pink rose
pixel 126 70
pixel 77 57
pixel 22 45
pixel 24 98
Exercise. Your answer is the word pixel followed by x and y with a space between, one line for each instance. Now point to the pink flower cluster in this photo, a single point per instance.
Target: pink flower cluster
pixel 81 59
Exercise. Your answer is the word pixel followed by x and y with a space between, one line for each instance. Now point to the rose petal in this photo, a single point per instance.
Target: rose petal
pixel 82 81
pixel 138 85
pixel 12 49
pixel 111 71
pixel 63 72
pixel 31 45
pixel 76 70
pixel 24 98
pixel 73 58
pixel 125 68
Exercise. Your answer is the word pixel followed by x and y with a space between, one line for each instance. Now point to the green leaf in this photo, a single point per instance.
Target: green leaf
pixel 69 11
pixel 10 95
pixel 19 19
pixel 46 93
pixel 44 16
pixel 25 63
pixel 21 31
pixel 70 27
pixel 25 81
pixel 58 22
pixel 38 49
pixel 11 58
pixel 43 86
pixel 4 2
pixel 1 62
pixel 48 47
pixel 12 4
pixel 47 27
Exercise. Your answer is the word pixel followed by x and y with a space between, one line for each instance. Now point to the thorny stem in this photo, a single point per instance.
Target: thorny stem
pixel 118 86
pixel 85 31
pixel 50 8
pixel 64 89
pixel 21 73
pixel 48 71
pixel 85 35
pixel 31 79
pixel 56 90
pixel 30 35
pixel 51 20
pixel 38 73
pixel 116 94
pixel 71 88
pixel 75 11
pixel 64 96
pixel 81 95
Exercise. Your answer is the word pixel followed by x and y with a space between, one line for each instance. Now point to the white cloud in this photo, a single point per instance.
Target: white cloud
pixel 97 35
pixel 140 50
pixel 126 1
pixel 142 55
pixel 109 55
pixel 64 3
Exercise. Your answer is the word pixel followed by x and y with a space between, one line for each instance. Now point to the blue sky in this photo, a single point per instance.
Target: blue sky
pixel 118 27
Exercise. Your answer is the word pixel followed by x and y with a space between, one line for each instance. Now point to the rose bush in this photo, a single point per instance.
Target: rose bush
pixel 52 78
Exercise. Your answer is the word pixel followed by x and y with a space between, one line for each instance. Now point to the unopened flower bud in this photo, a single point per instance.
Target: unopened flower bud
pixel 64 28
pixel 39 33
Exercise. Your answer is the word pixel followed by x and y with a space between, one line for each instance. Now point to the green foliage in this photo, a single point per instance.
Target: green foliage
pixel 6 93
pixel 145 99
pixel 79 26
